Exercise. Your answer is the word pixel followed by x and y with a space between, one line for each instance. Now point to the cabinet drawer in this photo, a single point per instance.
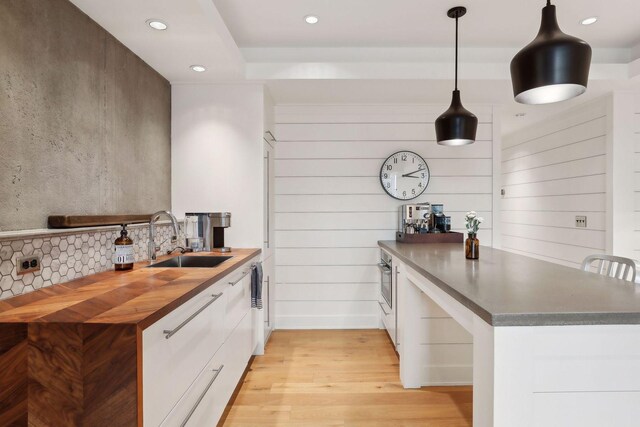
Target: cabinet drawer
pixel 202 404
pixel 238 299
pixel 237 354
pixel 173 360
pixel 388 319
pixel 206 399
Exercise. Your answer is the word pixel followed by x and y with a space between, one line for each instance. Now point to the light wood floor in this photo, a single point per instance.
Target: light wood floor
pixel 339 378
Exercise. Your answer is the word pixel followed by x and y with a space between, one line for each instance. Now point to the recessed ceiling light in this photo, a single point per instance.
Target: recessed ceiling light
pixel 311 19
pixel 156 24
pixel 589 21
pixel 198 68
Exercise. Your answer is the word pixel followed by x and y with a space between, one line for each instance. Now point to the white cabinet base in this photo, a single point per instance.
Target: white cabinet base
pixel 190 374
pixel 535 376
pixel 203 400
pixel 171 364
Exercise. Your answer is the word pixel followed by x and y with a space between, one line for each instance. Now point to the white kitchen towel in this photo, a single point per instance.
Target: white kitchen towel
pixel 256 285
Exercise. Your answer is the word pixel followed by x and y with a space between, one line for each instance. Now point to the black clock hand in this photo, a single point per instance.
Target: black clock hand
pixel 411 173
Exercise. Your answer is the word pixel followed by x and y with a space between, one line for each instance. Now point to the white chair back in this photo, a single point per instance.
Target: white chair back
pixel 612 266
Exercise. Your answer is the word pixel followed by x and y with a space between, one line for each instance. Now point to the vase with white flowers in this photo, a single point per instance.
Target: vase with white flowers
pixel 472 244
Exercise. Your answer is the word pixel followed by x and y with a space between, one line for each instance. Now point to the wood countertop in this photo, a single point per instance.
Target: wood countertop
pixel 135 297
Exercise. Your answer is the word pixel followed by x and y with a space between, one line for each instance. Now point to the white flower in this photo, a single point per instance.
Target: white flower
pixel 473 221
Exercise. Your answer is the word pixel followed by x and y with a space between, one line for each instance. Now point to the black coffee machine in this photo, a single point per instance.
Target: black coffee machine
pixel 220 221
pixel 210 227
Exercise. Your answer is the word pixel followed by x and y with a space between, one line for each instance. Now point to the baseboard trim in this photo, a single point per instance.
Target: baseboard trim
pixel 453 375
pixel 328 322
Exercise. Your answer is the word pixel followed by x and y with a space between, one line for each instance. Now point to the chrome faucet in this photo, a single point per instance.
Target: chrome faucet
pixel 153 248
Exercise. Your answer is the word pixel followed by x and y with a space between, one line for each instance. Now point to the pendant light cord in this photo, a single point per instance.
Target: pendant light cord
pixel 456 51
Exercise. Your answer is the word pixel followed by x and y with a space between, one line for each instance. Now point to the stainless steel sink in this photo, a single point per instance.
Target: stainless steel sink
pixel 192 261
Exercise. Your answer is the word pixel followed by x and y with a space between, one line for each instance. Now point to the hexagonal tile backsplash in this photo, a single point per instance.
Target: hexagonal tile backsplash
pixel 69 256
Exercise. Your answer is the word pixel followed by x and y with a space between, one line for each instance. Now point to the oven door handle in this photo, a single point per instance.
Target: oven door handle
pixel 384 269
pixel 382 308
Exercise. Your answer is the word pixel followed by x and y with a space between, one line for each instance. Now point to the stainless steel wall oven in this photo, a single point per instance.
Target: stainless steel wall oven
pixel 389 296
pixel 386 278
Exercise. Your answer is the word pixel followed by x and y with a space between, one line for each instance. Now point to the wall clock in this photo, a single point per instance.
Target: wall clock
pixel 404 175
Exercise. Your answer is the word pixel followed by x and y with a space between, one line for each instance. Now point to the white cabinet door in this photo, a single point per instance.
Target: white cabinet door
pixel 202 404
pixel 238 300
pixel 238 352
pixel 173 360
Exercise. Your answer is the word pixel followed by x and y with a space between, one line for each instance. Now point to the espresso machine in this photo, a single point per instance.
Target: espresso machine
pixel 205 230
pixel 414 217
pixel 423 218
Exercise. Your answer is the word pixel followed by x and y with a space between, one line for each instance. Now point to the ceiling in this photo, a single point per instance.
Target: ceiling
pixel 196 35
pixel 410 23
pixel 365 51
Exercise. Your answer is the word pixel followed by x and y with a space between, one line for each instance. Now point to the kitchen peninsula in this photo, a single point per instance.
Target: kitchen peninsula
pixel 552 345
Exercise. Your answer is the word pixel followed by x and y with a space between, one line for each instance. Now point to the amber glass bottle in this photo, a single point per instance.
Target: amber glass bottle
pixel 472 247
pixel 123 255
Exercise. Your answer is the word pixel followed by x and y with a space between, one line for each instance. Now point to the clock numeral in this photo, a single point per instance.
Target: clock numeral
pixel 386 175
pixel 395 160
pixel 388 185
pixel 422 174
pixel 389 167
pixel 404 194
pixel 404 157
pixel 420 185
pixel 413 191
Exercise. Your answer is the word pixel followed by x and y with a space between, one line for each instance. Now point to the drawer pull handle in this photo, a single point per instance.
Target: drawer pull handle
pixel 169 333
pixel 383 310
pixel 186 419
pixel 242 277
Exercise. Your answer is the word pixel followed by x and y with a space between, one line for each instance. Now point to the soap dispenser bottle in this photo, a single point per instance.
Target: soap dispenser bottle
pixel 123 256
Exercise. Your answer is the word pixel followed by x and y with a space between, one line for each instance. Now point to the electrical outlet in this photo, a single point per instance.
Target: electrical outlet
pixel 581 221
pixel 28 264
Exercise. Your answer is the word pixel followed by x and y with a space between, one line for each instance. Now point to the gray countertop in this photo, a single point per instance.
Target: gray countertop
pixel 507 289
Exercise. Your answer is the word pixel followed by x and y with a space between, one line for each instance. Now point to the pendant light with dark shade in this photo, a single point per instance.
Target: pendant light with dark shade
pixel 553 67
pixel 457 125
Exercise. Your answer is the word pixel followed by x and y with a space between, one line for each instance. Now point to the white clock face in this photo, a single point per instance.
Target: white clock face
pixel 404 175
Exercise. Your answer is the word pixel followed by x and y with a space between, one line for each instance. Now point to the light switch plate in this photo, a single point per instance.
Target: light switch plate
pixel 581 221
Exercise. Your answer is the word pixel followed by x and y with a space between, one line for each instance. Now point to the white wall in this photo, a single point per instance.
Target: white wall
pixel 581 162
pixel 331 209
pixel 551 172
pixel 217 155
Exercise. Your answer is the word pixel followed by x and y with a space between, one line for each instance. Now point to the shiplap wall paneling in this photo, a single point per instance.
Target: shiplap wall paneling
pixel 331 210
pixel 446 348
pixel 552 172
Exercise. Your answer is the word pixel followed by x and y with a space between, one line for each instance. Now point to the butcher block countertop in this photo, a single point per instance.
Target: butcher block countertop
pixel 72 353
pixel 136 297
